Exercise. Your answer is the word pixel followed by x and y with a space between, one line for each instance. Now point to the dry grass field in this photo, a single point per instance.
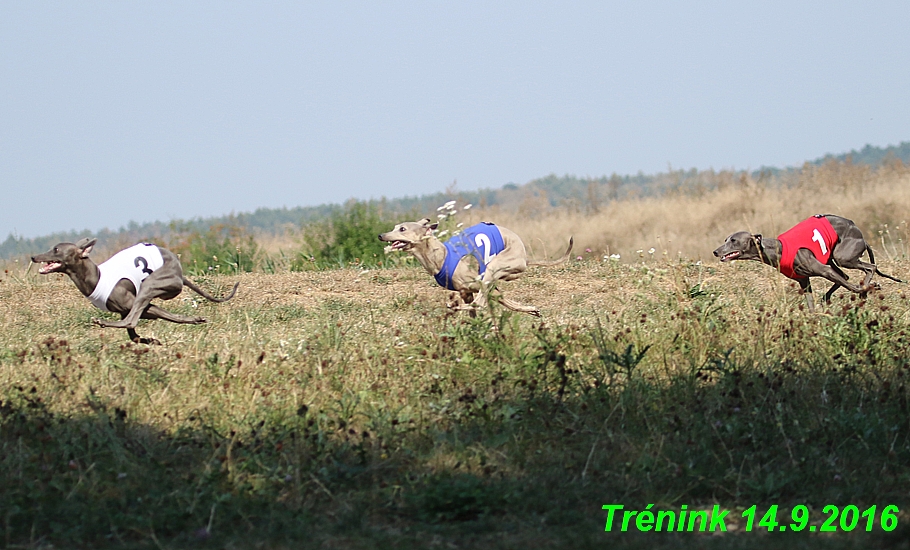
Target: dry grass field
pixel 691 219
pixel 348 408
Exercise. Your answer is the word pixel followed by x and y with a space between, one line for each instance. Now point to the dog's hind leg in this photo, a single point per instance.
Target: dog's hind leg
pixel 866 268
pixel 482 297
pixel 155 312
pixel 508 272
pixel 847 254
pixel 870 269
pixel 515 306
pixel 877 272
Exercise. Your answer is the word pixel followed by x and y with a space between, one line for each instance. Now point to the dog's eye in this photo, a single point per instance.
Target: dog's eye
pixel 55 250
pixel 401 229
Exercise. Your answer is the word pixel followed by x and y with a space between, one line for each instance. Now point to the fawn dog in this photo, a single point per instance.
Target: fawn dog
pixel 499 252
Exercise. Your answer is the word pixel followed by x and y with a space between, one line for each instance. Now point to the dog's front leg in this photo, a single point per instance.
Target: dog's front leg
pixel 454 300
pixel 483 294
pixel 830 292
pixel 134 336
pixel 805 287
pixel 462 300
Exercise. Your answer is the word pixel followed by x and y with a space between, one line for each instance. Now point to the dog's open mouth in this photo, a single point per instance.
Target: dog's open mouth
pixel 397 245
pixel 50 267
pixel 731 256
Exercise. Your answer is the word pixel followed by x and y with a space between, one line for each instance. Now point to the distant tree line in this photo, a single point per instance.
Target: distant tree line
pixel 584 194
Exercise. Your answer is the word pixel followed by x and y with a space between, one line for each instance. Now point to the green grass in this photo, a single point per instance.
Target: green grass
pixel 356 412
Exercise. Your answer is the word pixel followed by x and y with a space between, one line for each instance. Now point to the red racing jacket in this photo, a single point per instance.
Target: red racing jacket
pixel 815 233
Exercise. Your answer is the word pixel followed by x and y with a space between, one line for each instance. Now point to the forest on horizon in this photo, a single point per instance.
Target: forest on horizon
pixel 574 192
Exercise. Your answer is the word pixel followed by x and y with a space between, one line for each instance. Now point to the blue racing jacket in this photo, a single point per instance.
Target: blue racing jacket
pixel 483 241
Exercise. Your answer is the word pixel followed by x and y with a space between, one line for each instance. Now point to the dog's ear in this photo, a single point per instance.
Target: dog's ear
pixel 433 227
pixel 757 238
pixel 86 245
pixel 425 221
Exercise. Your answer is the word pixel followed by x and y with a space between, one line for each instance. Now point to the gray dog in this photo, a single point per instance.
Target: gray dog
pixel 819 246
pixel 126 283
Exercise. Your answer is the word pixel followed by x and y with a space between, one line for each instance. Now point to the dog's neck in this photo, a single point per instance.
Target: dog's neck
pixel 431 254
pixel 770 252
pixel 85 274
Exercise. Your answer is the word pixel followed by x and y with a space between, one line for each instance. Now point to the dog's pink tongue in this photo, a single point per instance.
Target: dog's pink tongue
pixel 48 267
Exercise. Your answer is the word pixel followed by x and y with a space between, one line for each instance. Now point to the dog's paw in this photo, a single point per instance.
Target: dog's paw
pixel 149 341
pixel 98 321
pixel 453 300
pixel 199 320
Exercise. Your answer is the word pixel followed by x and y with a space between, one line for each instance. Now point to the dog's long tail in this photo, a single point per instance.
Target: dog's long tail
pixel 561 260
pixel 192 286
pixel 877 272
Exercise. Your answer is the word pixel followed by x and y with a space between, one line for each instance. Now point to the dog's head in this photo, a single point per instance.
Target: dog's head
pixel 64 256
pixel 741 245
pixel 406 234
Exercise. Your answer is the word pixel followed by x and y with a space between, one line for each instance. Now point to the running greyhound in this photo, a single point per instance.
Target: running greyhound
pixel 126 283
pixel 819 246
pixel 499 252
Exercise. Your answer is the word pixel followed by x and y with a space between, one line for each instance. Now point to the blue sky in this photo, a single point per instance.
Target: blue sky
pixel 120 111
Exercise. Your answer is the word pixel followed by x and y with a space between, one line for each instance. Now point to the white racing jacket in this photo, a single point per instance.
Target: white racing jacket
pixel 134 263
